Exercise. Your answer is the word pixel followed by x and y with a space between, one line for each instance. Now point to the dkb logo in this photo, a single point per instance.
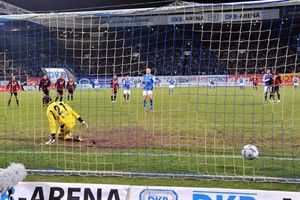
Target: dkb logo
pixel 152 194
pixel 213 17
pixel 209 195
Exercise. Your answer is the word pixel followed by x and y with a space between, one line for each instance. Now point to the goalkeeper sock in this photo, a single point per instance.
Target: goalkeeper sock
pixel 9 102
pixel 145 104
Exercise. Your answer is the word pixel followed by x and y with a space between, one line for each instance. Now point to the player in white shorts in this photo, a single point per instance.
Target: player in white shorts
pixel 127 85
pixel 172 83
pixel 242 83
pixel 148 82
pixel 296 81
pixel 267 79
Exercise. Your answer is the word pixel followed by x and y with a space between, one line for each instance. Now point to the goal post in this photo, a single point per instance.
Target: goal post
pixel 217 54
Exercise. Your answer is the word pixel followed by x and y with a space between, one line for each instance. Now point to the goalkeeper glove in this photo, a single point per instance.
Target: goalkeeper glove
pixel 84 124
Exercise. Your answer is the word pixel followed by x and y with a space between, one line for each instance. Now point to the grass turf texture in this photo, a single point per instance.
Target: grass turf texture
pixel 193 131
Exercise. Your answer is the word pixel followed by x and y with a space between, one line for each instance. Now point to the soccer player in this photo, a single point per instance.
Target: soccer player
pixel 211 84
pixel 114 88
pixel 45 86
pixel 276 82
pixel 13 87
pixel 126 85
pixel 267 79
pixel 172 83
pixel 62 119
pixel 96 85
pixel 296 81
pixel 148 82
pixel 71 86
pixel 242 82
pixel 60 86
pixel 255 82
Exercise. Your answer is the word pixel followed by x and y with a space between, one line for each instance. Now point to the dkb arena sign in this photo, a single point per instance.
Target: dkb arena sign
pixel 251 15
pixel 70 191
pixel 65 191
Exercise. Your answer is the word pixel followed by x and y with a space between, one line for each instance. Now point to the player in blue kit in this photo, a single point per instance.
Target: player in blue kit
pixel 295 81
pixel 126 85
pixel 148 82
pixel 242 83
pixel 211 84
pixel 267 79
pixel 172 83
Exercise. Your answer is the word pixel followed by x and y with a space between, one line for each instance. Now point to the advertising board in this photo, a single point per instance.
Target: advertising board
pixel 55 73
pixel 66 191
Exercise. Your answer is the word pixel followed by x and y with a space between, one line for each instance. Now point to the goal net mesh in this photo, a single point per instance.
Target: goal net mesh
pixel 215 52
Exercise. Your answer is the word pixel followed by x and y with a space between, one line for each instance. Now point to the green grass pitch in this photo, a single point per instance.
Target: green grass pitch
pixel 193 131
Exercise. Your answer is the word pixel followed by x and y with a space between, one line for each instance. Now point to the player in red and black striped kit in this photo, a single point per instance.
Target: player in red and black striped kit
pixel 114 88
pixel 71 85
pixel 275 86
pixel 255 82
pixel 45 86
pixel 60 86
pixel 13 87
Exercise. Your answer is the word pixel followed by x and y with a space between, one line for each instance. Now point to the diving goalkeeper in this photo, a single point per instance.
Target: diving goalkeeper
pixel 62 119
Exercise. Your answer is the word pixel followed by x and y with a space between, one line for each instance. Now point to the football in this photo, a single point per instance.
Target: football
pixel 250 152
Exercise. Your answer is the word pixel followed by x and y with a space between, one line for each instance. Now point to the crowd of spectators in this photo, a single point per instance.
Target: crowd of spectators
pixel 199 49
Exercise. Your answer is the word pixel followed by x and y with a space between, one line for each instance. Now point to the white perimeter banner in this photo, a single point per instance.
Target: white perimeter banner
pixel 67 191
pixel 76 191
pixel 55 73
pixel 29 88
pixel 177 193
pixel 183 81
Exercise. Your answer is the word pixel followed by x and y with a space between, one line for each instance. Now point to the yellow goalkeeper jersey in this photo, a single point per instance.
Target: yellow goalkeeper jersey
pixel 59 114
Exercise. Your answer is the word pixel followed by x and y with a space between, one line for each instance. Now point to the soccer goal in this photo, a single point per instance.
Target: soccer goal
pixel 224 76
